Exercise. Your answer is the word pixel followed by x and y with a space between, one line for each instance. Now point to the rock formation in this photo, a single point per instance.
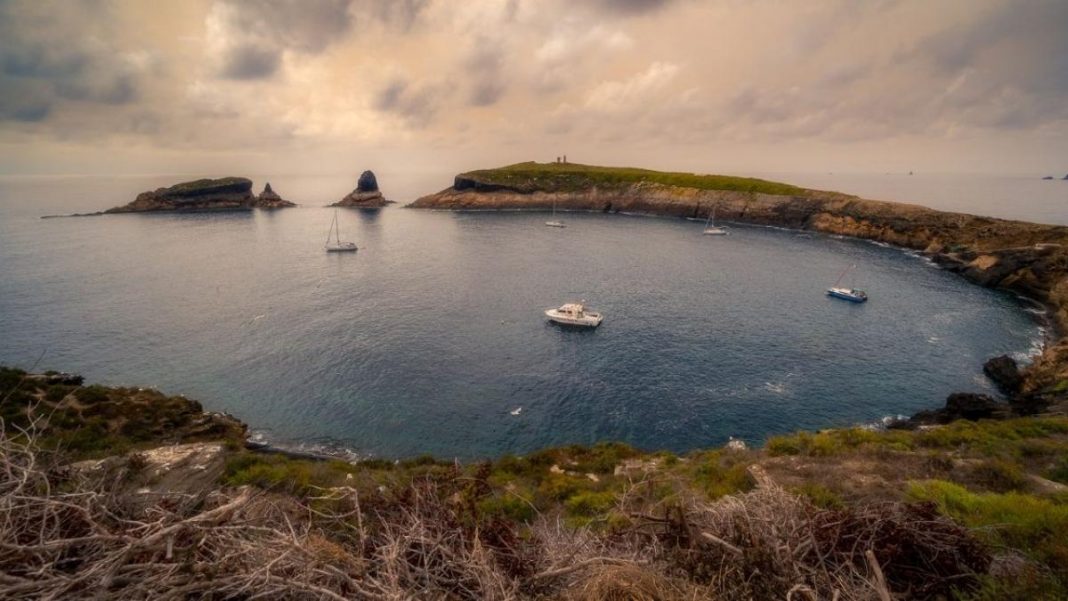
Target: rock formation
pixel 366 195
pixel 269 199
pixel 225 194
pixel 1004 372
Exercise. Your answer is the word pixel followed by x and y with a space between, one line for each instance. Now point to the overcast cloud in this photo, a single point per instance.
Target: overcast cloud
pixel 717 85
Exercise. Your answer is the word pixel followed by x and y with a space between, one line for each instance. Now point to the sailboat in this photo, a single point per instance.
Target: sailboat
pixel 850 294
pixel 554 222
pixel 337 246
pixel 711 229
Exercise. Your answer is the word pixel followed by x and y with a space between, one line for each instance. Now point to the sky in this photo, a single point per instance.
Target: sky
pixel 440 86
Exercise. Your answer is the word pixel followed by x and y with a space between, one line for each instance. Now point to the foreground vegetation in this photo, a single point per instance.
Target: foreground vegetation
pixel 571 177
pixel 971 510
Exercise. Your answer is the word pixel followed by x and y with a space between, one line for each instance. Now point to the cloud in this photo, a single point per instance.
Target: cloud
pixel 247 38
pixel 482 68
pixel 566 55
pixel 630 7
pixel 416 105
pixel 54 54
pixel 634 92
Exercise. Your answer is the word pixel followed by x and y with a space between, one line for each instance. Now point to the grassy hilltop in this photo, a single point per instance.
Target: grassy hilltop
pixel 970 510
pixel 570 177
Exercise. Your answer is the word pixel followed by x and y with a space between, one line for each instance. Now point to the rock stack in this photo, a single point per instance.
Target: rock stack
pixel 269 199
pixel 366 195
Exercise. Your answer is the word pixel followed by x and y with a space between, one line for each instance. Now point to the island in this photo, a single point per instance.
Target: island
pixel 366 195
pixel 225 194
pixel 1026 258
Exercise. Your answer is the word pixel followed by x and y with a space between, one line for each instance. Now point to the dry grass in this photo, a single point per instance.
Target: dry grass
pixel 64 535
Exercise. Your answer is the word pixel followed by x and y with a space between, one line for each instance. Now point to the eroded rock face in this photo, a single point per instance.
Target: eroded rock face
pixel 365 196
pixel 225 194
pixel 367 182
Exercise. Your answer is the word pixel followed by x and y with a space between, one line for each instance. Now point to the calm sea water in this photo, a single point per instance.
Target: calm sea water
pixel 430 336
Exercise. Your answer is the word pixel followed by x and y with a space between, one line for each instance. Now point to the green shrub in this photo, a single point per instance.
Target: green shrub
pixel 590 504
pixel 784 445
pixel 1036 527
pixel 820 495
pixel 558 487
pixel 717 476
pixel 57 392
pixel 1059 472
pixel 507 506
pixel 998 475
pixel 92 394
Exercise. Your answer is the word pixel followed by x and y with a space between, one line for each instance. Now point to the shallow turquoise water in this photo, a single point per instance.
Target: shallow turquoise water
pixel 432 334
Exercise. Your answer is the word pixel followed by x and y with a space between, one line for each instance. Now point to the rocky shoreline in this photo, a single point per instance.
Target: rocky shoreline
pixel 1025 258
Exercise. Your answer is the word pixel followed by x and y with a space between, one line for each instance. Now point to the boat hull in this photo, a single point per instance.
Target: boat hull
pixel 555 224
pixel 586 321
pixel 347 248
pixel 715 231
pixel 848 295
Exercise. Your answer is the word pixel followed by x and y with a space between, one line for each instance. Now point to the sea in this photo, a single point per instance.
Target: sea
pixel 432 337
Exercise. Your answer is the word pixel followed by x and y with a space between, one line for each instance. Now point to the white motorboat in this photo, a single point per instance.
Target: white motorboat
pixel 711 229
pixel 575 314
pixel 553 222
pixel 336 245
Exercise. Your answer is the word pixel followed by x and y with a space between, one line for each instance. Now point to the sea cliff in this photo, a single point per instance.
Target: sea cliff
pixel 1026 258
pixel 225 194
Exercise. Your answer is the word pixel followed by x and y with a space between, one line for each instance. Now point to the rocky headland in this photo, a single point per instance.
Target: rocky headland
pixel 225 194
pixel 366 195
pixel 1026 258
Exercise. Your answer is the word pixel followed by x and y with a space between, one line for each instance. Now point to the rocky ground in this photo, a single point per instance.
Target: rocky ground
pixel 128 493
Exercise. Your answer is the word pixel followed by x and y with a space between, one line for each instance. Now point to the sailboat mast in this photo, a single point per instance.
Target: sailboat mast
pixel 844 271
pixel 337 230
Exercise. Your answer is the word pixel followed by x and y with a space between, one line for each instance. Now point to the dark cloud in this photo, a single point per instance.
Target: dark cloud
pixel 52 54
pixel 250 36
pixel 483 68
pixel 26 102
pixel 416 105
pixel 248 61
pixel 399 13
pixel 1007 68
pixel 631 6
pixel 253 35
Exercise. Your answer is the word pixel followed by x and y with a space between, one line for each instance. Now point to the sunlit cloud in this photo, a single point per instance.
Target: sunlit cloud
pixel 612 76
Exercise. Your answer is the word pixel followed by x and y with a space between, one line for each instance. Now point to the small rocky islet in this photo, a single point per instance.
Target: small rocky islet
pixel 365 196
pixel 224 194
pixel 235 194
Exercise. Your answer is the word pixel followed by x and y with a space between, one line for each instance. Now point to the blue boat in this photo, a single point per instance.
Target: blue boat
pixel 852 295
